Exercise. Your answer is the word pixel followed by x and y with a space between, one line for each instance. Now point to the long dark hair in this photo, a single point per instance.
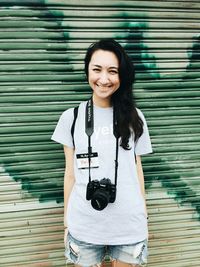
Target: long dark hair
pixel 123 99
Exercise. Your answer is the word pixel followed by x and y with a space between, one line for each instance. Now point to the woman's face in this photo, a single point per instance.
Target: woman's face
pixel 103 75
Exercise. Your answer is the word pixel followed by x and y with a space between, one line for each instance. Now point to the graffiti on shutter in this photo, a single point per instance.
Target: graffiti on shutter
pixel 42 47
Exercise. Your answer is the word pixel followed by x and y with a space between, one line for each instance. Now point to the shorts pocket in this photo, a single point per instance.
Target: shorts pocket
pixel 72 251
pixel 141 253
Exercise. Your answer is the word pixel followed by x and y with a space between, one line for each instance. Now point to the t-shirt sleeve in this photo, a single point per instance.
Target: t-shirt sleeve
pixel 143 144
pixel 62 132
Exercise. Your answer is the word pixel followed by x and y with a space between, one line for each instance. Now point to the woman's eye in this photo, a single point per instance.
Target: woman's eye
pixel 96 70
pixel 113 72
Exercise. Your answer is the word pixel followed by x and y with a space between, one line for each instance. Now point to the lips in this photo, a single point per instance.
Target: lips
pixel 104 87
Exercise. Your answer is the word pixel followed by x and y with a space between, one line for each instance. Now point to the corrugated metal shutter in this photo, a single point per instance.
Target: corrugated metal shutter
pixel 42 45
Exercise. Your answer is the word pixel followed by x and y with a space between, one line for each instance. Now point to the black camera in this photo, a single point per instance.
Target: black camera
pixel 101 193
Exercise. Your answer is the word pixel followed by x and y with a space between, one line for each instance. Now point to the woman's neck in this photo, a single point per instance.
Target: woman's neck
pixel 102 103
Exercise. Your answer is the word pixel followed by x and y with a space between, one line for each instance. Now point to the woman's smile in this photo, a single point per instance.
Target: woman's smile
pixel 104 88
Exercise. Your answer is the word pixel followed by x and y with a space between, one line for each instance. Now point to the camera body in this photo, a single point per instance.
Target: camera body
pixel 101 193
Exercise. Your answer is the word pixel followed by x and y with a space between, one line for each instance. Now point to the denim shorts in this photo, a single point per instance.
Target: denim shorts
pixel 87 254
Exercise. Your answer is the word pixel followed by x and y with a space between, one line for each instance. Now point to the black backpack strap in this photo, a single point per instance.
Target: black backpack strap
pixel 73 124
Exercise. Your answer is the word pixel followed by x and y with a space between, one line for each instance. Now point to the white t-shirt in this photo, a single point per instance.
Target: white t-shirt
pixel 121 222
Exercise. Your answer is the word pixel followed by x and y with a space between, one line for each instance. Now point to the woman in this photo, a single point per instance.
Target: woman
pixel 104 196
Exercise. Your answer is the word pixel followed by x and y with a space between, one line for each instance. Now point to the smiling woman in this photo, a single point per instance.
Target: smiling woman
pixel 121 96
pixel 116 192
pixel 103 76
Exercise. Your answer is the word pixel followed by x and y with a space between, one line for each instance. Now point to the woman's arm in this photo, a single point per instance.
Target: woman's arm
pixel 69 178
pixel 141 178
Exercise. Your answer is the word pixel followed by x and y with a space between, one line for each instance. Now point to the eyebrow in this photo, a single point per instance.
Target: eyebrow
pixel 99 66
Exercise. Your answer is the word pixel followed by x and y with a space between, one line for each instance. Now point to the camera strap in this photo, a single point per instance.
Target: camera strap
pixel 89 129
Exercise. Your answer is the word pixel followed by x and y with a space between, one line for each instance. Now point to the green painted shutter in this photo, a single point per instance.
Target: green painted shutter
pixel 42 46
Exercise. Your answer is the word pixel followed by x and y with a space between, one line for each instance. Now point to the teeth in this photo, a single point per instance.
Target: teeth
pixel 104 86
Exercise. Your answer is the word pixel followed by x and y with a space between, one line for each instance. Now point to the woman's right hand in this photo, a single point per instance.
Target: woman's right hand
pixel 65 236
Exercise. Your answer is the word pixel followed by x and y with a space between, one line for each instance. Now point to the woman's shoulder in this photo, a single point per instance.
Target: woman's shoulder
pixel 69 113
pixel 139 111
pixel 141 115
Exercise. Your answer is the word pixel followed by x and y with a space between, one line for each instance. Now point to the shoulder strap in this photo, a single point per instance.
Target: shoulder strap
pixel 73 124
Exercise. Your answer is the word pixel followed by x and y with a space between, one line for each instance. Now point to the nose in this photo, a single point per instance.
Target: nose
pixel 104 79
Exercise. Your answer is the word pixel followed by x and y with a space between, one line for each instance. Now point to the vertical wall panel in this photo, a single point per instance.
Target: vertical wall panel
pixel 42 46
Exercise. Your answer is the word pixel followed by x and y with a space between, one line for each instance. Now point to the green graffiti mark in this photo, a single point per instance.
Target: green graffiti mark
pixel 137 49
pixel 194 57
pixel 42 182
pixel 195 54
pixel 174 183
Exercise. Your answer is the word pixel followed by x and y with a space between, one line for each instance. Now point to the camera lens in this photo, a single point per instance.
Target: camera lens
pixel 100 199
